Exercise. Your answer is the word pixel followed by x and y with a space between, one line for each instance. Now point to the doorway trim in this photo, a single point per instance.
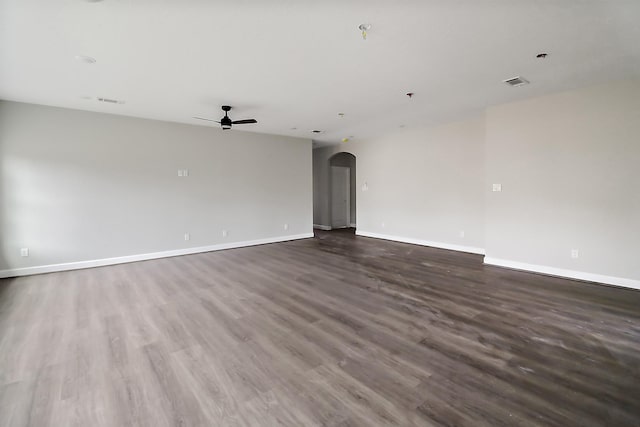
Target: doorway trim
pixel 348 160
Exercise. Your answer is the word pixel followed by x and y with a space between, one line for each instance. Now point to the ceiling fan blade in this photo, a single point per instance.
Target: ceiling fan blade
pixel 244 122
pixel 203 118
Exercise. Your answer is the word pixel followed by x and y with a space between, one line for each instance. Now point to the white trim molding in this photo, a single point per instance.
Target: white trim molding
pixel 561 272
pixel 322 227
pixel 440 245
pixel 352 225
pixel 15 272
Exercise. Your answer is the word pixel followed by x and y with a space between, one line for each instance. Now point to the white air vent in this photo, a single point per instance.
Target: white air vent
pixel 516 81
pixel 110 101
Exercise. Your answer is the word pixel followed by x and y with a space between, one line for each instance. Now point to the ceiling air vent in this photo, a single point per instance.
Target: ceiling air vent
pixel 516 81
pixel 110 101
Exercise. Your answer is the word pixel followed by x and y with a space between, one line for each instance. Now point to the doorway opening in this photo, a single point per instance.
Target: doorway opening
pixel 342 189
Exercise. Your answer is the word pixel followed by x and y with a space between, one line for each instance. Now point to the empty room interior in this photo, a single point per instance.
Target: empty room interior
pixel 319 213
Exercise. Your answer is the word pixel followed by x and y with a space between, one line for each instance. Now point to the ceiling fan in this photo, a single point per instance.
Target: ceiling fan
pixel 226 122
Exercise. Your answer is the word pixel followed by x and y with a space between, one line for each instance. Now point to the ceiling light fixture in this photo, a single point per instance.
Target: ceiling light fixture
pixel 226 123
pixel 86 59
pixel 364 28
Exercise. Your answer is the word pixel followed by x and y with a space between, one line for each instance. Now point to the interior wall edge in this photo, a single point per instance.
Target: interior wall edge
pixel 28 271
pixel 410 240
pixel 561 272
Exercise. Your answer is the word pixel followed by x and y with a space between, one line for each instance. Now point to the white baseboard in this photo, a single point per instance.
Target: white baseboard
pixel 460 248
pixel 561 272
pixel 322 227
pixel 143 257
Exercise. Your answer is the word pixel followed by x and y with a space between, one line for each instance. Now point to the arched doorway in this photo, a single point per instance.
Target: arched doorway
pixel 342 190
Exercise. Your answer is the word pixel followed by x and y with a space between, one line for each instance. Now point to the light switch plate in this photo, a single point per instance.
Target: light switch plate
pixel 497 187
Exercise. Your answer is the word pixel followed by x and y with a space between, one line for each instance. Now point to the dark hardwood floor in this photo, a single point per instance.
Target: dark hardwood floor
pixel 338 330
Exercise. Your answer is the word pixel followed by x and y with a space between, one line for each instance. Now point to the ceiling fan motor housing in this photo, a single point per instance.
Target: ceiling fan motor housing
pixel 225 122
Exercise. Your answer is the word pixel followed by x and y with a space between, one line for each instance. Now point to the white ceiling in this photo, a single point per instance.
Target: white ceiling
pixel 298 63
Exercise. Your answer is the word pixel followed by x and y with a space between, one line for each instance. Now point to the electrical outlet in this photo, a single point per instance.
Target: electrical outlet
pixel 185 172
pixel 224 233
pixel 497 187
pixel 179 172
pixel 575 253
pixel 24 251
pixel 382 225
pixel 286 226
pixel 461 233
pixel 187 236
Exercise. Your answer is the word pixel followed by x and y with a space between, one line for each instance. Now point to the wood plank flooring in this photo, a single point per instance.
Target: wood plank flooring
pixel 334 331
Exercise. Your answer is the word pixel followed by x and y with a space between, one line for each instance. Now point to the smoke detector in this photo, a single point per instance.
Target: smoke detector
pixel 516 81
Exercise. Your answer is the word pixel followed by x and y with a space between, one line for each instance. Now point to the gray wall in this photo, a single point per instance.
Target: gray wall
pixel 423 183
pixel 81 186
pixel 569 165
